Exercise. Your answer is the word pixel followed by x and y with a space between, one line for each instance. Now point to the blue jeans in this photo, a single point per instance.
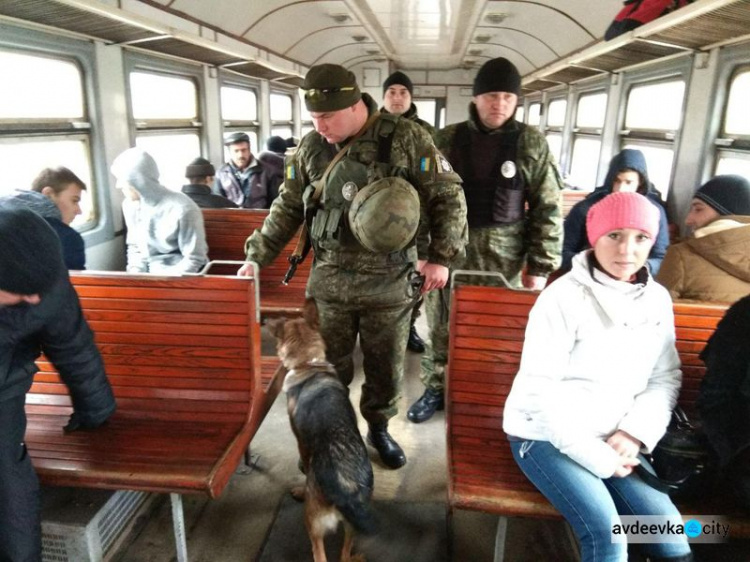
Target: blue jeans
pixel 589 503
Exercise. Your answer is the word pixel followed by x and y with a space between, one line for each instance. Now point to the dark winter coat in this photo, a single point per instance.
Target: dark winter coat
pixel 203 197
pixel 55 326
pixel 576 238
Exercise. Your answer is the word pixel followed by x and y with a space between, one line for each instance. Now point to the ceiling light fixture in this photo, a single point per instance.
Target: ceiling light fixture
pixel 340 18
pixel 496 17
pixel 359 38
pixel 482 38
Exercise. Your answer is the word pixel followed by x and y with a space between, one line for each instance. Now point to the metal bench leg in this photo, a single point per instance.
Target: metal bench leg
pixel 178 520
pixel 502 532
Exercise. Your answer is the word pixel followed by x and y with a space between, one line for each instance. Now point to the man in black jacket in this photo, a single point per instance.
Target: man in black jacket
pixel 39 311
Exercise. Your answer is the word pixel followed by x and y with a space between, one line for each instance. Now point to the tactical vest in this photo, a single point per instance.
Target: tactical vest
pixel 495 198
pixel 366 161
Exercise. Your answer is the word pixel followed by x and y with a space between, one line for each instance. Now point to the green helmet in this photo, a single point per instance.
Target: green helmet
pixel 384 215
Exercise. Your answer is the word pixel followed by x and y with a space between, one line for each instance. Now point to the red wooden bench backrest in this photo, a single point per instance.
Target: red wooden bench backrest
pixel 487 329
pixel 226 232
pixel 174 348
pixel 570 197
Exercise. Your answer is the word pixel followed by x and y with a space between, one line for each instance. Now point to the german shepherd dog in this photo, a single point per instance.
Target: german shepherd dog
pixel 333 455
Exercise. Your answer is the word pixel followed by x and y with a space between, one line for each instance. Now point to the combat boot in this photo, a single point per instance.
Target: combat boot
pixel 414 343
pixel 390 453
pixel 425 407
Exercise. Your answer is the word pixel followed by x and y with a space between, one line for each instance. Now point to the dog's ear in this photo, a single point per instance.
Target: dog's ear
pixel 276 327
pixel 310 313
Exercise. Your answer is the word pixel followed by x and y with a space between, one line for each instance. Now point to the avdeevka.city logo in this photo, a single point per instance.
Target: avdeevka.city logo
pixel 660 529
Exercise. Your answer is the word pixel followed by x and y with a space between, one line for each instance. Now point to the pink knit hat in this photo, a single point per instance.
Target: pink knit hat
pixel 622 210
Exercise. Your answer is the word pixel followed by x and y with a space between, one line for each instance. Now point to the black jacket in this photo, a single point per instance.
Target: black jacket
pixel 57 327
pixel 724 397
pixel 203 197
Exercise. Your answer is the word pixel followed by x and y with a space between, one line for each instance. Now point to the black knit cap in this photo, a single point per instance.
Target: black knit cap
pixel 497 75
pixel 729 194
pixel 401 79
pixel 330 87
pixel 30 253
pixel 276 144
pixel 200 168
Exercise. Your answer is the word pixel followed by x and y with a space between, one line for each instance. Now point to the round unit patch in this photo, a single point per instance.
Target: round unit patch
pixel 508 169
pixel 349 190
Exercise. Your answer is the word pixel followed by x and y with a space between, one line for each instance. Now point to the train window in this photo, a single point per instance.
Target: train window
pixel 520 113
pixel 158 97
pixel 165 110
pixel 281 115
pixel 554 126
pixel 39 130
pixel 427 109
pixel 590 111
pixel 307 124
pixel 733 156
pixel 655 106
pixel 653 115
pixel 535 114
pixel 239 112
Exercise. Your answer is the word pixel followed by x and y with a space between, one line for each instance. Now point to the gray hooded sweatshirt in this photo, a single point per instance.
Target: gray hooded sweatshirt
pixel 165 228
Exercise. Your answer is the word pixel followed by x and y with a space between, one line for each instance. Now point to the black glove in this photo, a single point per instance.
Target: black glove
pixel 76 422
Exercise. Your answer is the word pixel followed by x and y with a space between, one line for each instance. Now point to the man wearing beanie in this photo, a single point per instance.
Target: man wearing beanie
pixel 358 291
pixel 39 312
pixel 598 379
pixel 200 173
pixel 512 190
pixel 247 181
pixel 397 93
pixel 713 264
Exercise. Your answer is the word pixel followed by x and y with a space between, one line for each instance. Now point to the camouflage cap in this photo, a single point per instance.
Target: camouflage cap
pixel 330 87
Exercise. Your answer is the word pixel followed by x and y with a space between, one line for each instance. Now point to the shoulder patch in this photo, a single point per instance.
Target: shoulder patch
pixel 445 166
pixel 291 173
pixel 424 164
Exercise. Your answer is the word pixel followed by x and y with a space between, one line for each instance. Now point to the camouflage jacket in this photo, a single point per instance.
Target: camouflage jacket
pixel 411 115
pixel 413 157
pixel 537 240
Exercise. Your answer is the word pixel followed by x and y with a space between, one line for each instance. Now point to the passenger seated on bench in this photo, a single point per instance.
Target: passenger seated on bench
pixel 39 311
pixel 200 173
pixel 598 379
pixel 724 399
pixel 627 172
pixel 713 264
pixel 55 195
pixel 165 228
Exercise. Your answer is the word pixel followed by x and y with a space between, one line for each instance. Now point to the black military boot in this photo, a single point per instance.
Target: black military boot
pixel 390 453
pixel 425 407
pixel 414 343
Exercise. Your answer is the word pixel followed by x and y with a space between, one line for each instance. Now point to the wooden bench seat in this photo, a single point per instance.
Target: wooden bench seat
pixel 569 199
pixel 487 326
pixel 183 357
pixel 226 232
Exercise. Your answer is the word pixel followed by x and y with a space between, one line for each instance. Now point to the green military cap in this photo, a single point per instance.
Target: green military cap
pixel 330 87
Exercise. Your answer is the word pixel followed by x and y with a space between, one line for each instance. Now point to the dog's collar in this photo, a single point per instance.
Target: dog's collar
pixel 298 376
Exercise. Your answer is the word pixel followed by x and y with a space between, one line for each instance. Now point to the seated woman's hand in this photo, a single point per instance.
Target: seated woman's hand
pixel 625 444
pixel 626 466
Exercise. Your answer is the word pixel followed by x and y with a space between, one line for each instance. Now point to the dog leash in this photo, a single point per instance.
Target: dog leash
pixel 304 243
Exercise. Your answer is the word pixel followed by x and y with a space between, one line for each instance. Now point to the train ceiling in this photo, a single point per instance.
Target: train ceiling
pixel 551 42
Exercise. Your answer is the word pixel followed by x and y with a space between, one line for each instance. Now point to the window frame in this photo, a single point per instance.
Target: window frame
pixel 280 123
pixel 232 80
pixel 81 53
pixel 577 92
pixel 733 61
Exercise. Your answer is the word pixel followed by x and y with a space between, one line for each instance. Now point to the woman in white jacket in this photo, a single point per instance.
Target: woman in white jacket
pixel 598 379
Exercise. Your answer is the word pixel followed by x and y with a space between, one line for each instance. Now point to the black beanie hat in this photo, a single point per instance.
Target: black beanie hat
pixel 30 252
pixel 200 168
pixel 276 144
pixel 497 75
pixel 401 79
pixel 729 195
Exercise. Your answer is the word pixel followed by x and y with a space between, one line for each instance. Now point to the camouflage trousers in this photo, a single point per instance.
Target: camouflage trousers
pixel 383 332
pixel 488 250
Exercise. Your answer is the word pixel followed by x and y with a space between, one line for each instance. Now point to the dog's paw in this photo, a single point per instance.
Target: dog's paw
pixel 298 493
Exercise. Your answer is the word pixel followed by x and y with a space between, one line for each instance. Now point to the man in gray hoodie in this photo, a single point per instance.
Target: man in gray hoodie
pixel 165 228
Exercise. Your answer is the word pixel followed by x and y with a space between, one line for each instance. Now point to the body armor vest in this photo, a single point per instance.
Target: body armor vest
pixel 493 184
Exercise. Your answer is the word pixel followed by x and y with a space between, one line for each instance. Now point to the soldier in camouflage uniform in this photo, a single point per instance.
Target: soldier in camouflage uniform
pixel 512 190
pixel 359 291
pixel 397 92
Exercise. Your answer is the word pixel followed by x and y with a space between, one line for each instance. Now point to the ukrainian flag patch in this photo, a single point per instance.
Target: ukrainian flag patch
pixel 290 172
pixel 424 164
